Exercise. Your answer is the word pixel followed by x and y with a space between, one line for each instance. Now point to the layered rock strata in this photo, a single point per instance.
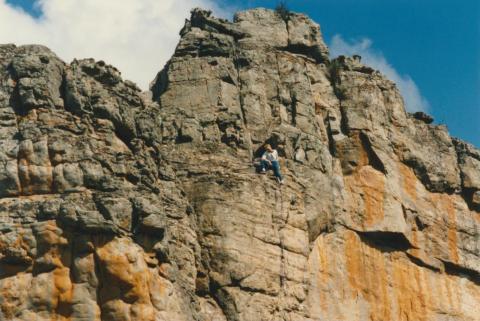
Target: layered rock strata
pixel 122 205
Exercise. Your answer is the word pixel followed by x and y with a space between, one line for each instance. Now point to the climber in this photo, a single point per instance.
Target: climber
pixel 270 160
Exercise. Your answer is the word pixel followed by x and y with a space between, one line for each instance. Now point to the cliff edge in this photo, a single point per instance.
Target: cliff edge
pixel 118 205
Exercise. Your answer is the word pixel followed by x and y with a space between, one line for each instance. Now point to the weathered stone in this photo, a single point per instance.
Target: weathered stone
pixel 469 162
pixel 37 73
pixel 304 36
pixel 262 28
pixel 122 205
pixel 420 115
pixel 476 199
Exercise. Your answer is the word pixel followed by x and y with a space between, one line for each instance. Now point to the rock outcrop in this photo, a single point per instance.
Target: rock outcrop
pixel 121 205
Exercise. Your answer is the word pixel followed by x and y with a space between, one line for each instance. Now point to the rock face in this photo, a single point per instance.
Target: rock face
pixel 120 205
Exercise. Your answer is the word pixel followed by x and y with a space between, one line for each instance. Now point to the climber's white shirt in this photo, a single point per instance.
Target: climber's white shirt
pixel 273 156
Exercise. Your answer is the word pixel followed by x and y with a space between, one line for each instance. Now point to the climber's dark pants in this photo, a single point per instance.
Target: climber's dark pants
pixel 275 166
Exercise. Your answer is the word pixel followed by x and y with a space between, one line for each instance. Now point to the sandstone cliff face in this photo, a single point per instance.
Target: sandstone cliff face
pixel 121 205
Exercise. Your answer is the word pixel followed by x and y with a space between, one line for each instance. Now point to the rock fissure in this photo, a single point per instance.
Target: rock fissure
pixel 460 271
pixel 422 263
pixel 239 82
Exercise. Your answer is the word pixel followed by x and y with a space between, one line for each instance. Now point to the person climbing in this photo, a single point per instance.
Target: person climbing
pixel 270 160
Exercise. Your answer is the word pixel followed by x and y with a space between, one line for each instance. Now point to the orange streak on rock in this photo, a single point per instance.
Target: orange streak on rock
pixel 8 306
pixel 366 190
pixel 322 276
pixel 422 290
pixel 384 286
pixel 353 257
pixel 409 181
pixel 125 269
pixel 452 293
pixel 446 204
pixel 452 233
pixel 414 241
pixel 373 184
pixel 410 290
pixel 368 276
pixel 64 288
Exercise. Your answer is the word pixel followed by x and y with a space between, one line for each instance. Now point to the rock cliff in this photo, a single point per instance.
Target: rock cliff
pixel 119 205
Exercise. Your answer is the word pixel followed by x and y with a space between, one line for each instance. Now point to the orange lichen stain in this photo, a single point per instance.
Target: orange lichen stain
pixel 353 256
pixel 387 286
pixel 323 273
pixel 410 288
pixel 35 175
pixel 414 240
pixel 415 292
pixel 418 246
pixel 452 293
pixel 368 276
pixel 409 181
pixel 432 291
pixel 372 183
pixel 9 299
pixel 422 289
pixel 419 292
pixel 366 188
pixel 63 284
pixel 323 257
pixel 452 232
pixel 12 294
pixel 125 269
pixel 446 205
pixel 50 233
pixel 51 238
pixel 64 292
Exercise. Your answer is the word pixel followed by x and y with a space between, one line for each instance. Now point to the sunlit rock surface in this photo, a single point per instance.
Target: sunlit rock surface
pixel 122 205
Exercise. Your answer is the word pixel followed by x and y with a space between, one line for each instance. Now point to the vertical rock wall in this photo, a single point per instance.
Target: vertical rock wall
pixel 122 205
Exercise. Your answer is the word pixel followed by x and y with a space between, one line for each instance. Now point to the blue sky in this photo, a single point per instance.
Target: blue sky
pixel 435 43
pixel 28 5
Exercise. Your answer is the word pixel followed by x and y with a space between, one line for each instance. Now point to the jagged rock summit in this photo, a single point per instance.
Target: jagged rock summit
pixel 121 206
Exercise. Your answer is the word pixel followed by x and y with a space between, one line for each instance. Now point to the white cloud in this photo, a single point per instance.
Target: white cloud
pixel 414 101
pixel 136 36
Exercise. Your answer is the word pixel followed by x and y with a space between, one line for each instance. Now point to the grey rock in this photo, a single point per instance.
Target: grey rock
pixel 427 119
pixel 305 36
pixel 469 162
pixel 476 199
pixel 37 73
pixel 122 205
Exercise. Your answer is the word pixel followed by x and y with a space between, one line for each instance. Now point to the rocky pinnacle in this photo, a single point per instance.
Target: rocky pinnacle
pixel 122 205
